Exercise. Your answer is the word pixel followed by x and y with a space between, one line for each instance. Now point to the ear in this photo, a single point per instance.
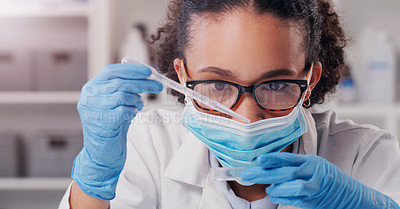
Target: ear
pixel 315 77
pixel 179 70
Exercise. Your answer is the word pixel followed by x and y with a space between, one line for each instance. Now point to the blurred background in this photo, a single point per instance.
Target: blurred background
pixel 50 48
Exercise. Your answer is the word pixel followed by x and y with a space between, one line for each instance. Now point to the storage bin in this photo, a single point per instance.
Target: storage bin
pixel 62 70
pixel 15 70
pixel 9 163
pixel 51 154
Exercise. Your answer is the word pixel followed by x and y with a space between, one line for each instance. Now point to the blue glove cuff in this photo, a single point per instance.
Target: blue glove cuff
pixel 373 199
pixel 97 181
pixel 354 194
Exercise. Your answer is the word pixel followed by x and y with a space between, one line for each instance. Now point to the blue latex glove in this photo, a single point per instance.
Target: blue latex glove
pixel 308 181
pixel 106 107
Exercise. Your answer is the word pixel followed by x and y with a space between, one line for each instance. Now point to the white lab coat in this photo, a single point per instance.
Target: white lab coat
pixel 168 168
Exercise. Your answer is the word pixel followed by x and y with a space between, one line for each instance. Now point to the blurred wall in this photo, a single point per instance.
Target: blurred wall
pixel 384 15
pixel 128 12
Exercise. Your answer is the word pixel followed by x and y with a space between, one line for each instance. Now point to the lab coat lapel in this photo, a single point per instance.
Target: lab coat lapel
pixel 212 196
pixel 190 164
pixel 308 142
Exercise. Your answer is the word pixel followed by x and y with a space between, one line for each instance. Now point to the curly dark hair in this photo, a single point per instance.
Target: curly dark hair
pixel 324 35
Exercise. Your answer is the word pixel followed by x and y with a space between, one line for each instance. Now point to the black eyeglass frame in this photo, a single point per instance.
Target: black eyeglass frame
pixel 303 84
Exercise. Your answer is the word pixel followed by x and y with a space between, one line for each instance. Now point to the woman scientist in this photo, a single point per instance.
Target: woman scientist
pixel 268 60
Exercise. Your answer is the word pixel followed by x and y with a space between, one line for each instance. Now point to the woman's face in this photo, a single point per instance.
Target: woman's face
pixel 245 48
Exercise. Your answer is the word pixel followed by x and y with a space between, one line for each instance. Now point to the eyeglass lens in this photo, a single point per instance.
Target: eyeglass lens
pixel 270 95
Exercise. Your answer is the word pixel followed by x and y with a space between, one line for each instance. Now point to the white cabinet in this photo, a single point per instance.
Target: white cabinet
pixel 46 38
pixel 383 116
pixel 32 193
pixel 39 43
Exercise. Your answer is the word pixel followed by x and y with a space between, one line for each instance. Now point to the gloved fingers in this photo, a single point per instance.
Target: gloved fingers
pixel 313 169
pixel 94 131
pixel 113 100
pixel 108 154
pixel 292 201
pixel 94 88
pixel 280 159
pixel 107 118
pixel 294 189
pixel 123 71
pixel 260 175
pixel 102 133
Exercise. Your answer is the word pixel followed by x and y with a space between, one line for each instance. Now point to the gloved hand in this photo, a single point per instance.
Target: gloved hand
pixel 308 181
pixel 106 107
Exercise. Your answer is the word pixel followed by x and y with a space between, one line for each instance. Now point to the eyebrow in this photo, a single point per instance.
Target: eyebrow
pixel 266 75
pixel 277 73
pixel 218 71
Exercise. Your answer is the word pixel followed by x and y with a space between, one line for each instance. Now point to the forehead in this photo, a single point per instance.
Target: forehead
pixel 244 42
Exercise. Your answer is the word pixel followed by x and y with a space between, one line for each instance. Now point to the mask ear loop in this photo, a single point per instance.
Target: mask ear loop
pixel 183 72
pixel 184 76
pixel 309 75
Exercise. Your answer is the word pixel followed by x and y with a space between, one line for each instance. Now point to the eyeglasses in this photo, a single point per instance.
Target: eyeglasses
pixel 276 95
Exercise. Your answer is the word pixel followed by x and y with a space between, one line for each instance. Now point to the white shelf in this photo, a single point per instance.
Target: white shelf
pixel 385 116
pixel 61 97
pixel 67 11
pixel 29 184
pixel 368 109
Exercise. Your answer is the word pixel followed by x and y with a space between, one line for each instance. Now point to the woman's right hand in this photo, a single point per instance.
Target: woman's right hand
pixel 106 107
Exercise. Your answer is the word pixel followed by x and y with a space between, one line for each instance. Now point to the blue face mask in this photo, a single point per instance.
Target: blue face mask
pixel 235 144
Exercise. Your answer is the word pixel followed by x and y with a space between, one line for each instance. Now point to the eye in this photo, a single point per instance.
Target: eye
pixel 274 86
pixel 220 86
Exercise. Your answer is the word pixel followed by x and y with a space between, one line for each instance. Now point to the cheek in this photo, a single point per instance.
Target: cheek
pixel 274 114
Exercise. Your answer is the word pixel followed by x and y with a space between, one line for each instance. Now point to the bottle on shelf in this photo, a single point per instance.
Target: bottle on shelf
pixel 347 89
pixel 377 68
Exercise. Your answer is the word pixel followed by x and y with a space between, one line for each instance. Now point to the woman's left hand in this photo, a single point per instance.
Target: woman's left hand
pixel 309 181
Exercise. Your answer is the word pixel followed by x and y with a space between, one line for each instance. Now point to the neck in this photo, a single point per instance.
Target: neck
pixel 249 193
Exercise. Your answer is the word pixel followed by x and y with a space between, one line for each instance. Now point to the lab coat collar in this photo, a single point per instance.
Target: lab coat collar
pixel 190 164
pixel 308 142
pixel 212 196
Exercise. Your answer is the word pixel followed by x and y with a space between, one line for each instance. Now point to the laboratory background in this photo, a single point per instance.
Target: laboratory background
pixel 50 48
